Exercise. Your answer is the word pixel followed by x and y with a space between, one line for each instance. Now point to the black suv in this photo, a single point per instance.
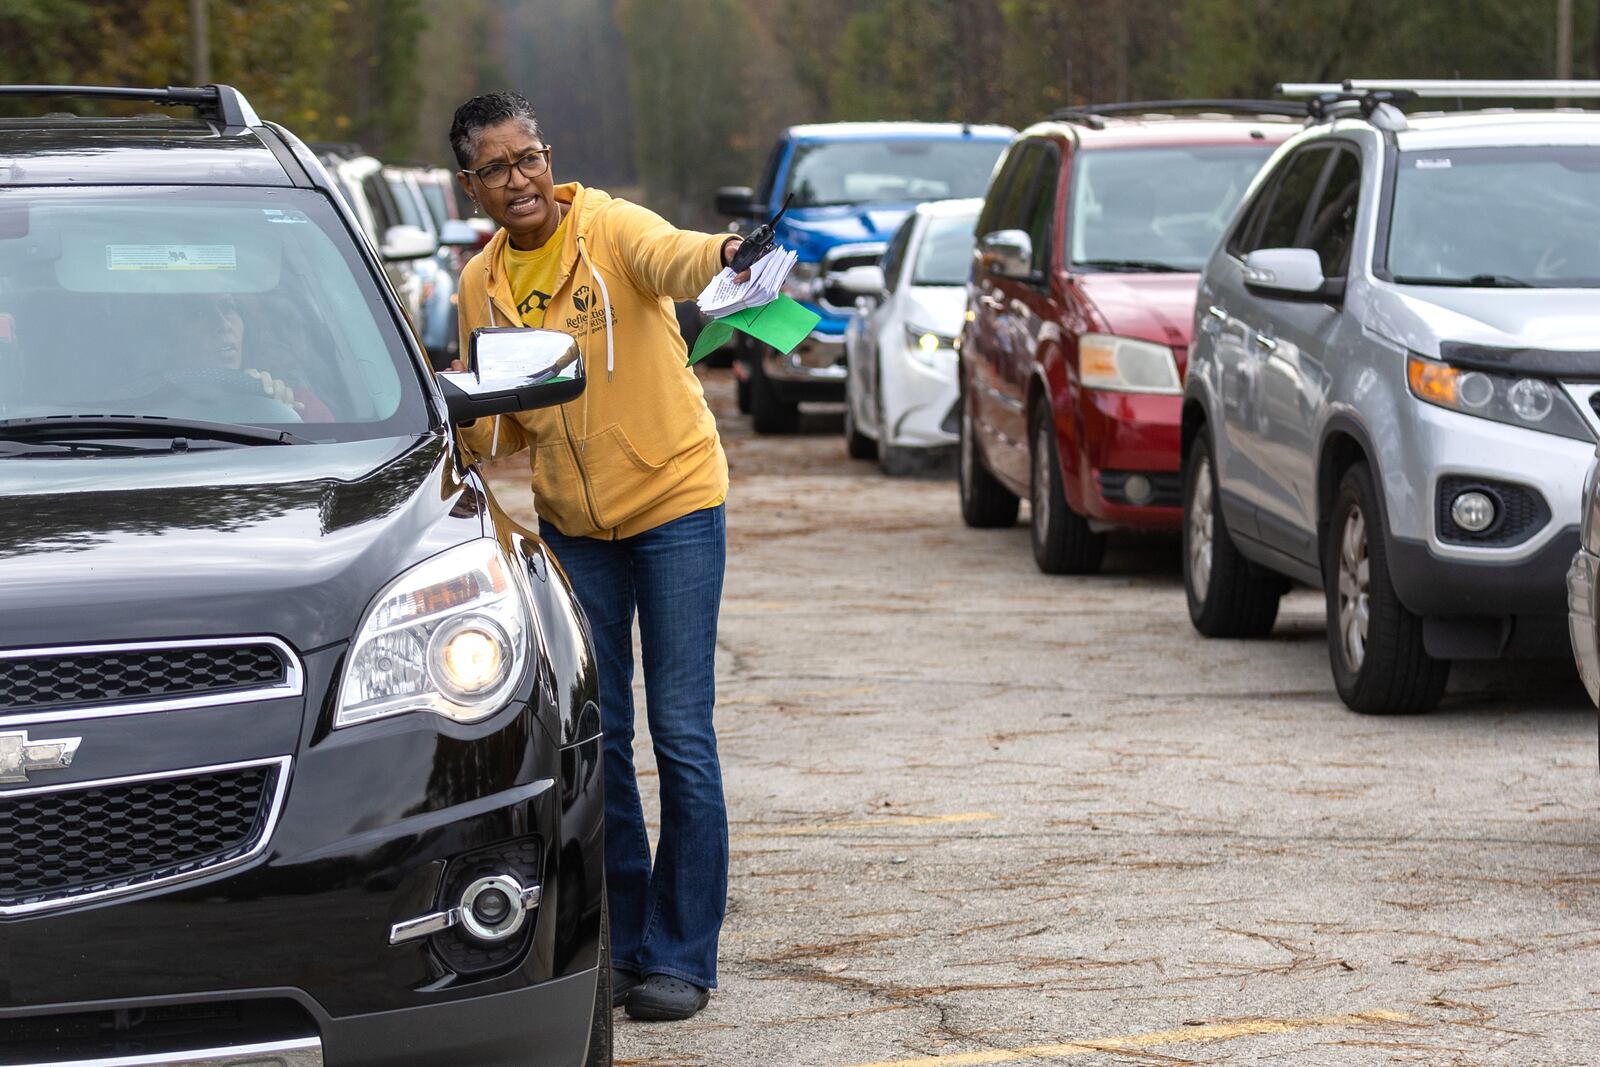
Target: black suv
pixel 299 737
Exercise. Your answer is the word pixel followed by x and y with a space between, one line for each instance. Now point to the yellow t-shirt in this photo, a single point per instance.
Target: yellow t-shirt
pixel 533 275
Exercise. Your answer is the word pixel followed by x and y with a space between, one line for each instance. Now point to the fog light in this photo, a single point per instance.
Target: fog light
pixel 493 908
pixel 1137 489
pixel 1473 511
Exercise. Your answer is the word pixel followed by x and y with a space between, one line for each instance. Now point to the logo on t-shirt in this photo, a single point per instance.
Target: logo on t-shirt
pixel 581 298
pixel 527 305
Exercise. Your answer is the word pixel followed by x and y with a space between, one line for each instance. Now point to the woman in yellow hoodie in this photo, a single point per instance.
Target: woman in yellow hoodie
pixel 629 481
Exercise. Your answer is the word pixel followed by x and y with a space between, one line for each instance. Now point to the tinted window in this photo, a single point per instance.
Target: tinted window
pixel 164 303
pixel 1531 213
pixel 945 255
pixel 894 257
pixel 1013 210
pixel 1042 212
pixel 1281 227
pixel 1156 208
pixel 901 169
pixel 997 189
pixel 1333 222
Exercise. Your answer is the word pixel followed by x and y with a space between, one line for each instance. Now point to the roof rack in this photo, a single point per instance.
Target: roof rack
pixel 1094 115
pixel 217 103
pixel 1370 95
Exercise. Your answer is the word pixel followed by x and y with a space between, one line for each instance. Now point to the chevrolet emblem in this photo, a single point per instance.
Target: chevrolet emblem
pixel 18 755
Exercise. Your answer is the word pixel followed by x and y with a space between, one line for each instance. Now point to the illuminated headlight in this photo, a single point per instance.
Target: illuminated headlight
pixel 925 346
pixel 1124 365
pixel 801 284
pixel 1532 403
pixel 450 636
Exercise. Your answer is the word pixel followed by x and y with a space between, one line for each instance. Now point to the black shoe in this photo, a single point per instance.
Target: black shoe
pixel 661 998
pixel 623 983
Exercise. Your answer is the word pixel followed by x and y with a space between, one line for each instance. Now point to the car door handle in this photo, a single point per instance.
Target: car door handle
pixel 1217 313
pixel 1265 342
pixel 993 303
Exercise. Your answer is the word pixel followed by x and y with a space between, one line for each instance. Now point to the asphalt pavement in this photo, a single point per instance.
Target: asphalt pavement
pixel 983 815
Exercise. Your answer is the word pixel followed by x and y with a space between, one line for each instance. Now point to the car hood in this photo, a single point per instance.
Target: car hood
pixel 1148 307
pixel 939 308
pixel 811 231
pixel 290 541
pixel 1422 318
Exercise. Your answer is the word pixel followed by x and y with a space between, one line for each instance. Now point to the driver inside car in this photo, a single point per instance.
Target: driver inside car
pixel 210 332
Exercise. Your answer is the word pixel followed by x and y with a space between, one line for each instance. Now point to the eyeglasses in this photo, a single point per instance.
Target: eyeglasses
pixel 494 175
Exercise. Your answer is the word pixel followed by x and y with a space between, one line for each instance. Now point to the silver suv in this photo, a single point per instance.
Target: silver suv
pixel 1392 389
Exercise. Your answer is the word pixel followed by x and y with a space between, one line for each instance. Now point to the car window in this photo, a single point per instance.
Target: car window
pixel 434 194
pixel 894 257
pixel 1332 225
pixel 1042 209
pixel 1012 212
pixel 1128 211
pixel 944 256
pixel 997 188
pixel 1281 226
pixel 224 305
pixel 405 203
pixel 1528 214
pixel 385 213
pixel 897 169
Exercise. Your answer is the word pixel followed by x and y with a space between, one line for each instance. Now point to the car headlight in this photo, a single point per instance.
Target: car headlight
pixel 925 346
pixel 1124 365
pixel 1532 403
pixel 449 636
pixel 801 284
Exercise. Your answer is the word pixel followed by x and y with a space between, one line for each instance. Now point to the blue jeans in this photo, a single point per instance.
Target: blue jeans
pixel 665 918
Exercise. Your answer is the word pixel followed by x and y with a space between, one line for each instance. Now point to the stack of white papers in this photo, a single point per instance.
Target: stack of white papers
pixel 724 296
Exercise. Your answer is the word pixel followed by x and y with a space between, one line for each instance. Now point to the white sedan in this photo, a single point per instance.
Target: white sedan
pixel 900 345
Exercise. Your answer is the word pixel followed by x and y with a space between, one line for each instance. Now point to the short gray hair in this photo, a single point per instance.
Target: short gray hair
pixel 481 112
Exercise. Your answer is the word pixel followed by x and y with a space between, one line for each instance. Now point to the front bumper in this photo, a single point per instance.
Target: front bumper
pixel 1125 438
pixel 917 398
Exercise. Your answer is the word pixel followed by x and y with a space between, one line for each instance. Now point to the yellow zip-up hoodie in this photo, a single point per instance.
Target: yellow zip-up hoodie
pixel 640 447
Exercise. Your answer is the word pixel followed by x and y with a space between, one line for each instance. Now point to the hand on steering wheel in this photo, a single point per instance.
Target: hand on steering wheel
pixel 277 389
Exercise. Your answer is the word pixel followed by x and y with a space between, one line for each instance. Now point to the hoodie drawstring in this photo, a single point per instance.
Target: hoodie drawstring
pixel 605 300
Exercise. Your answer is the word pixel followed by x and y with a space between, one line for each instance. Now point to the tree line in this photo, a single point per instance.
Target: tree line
pixel 668 99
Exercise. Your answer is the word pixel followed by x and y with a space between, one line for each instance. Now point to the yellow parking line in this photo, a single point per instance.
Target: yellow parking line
pixel 867 824
pixel 1188 1035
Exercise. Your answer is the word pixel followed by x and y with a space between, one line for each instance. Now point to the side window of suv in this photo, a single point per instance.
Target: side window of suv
pixel 1015 200
pixel 1332 225
pixel 990 214
pixel 1280 225
pixel 894 257
pixel 1042 210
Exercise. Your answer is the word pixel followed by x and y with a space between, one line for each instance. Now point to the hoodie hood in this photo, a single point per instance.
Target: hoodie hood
pixel 290 541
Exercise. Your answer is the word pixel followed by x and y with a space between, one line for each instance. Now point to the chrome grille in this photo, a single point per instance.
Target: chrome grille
pixel 87 840
pixel 85 681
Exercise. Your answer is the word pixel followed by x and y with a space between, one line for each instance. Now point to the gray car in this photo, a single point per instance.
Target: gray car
pixel 1392 393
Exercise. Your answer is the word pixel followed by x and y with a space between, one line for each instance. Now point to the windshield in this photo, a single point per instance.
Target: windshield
pixel 857 172
pixel 945 257
pixel 1156 208
pixel 1527 215
pixel 220 305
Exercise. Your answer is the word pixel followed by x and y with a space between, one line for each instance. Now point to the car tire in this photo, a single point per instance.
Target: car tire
pixel 1063 542
pixel 1375 645
pixel 769 413
pixel 985 503
pixel 1228 595
pixel 857 444
pixel 600 1027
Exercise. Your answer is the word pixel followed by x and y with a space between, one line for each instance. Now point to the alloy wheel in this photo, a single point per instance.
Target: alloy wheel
pixel 1354 577
pixel 1202 521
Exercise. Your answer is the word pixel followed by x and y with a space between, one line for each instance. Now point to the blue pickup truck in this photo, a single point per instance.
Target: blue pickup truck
pixel 853 184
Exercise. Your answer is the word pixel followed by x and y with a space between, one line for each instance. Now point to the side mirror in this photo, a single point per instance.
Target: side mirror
pixel 1291 272
pixel 865 280
pixel 737 201
pixel 457 233
pixel 1008 253
pixel 514 369
pixel 408 242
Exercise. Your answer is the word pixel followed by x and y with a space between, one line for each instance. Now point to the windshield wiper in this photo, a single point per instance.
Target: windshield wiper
pixel 1476 281
pixel 1152 265
pixel 75 427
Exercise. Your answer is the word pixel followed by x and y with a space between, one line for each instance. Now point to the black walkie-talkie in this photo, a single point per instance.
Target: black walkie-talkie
pixel 759 241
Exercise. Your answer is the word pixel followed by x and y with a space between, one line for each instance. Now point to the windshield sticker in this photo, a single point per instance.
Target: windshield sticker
pixel 170 257
pixel 287 217
pixel 1433 164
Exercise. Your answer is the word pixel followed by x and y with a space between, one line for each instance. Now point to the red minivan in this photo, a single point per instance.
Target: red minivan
pixel 1080 309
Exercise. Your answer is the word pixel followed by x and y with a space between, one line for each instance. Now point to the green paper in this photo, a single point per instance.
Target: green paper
pixel 782 324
